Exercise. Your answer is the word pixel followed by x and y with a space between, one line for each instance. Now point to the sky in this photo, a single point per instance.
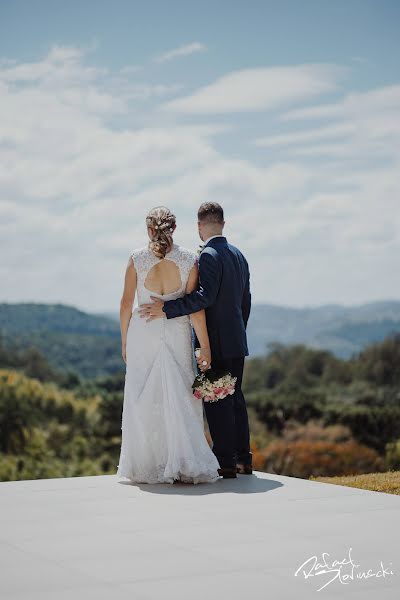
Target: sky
pixel 286 113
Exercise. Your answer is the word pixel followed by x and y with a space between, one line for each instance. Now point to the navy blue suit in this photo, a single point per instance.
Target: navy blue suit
pixel 224 293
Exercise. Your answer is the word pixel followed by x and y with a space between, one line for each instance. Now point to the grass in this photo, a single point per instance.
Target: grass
pixel 377 482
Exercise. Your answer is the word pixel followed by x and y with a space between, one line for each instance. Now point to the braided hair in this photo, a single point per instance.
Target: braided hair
pixel 161 220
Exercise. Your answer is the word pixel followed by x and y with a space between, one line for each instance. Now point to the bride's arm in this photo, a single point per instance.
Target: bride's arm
pixel 198 320
pixel 126 304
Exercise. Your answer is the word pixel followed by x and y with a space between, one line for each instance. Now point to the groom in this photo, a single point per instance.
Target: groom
pixel 224 293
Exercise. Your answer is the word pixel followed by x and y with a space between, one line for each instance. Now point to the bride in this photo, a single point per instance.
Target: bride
pixel 163 438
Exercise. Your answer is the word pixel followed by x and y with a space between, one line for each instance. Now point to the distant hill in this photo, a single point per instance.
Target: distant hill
pixel 340 329
pixel 70 339
pixel 89 344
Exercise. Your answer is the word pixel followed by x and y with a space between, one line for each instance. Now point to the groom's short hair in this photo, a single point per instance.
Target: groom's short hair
pixel 211 212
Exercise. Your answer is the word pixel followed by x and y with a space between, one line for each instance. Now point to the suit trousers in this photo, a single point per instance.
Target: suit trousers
pixel 228 419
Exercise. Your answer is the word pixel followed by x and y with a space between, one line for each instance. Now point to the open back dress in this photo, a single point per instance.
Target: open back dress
pixel 163 437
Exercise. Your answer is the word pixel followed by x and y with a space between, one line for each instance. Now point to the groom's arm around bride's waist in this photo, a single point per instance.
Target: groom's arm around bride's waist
pixel 209 282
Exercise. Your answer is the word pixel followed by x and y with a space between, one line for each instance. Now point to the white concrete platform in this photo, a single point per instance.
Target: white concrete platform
pixel 95 538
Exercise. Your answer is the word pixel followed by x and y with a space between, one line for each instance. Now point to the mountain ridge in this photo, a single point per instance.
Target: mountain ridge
pixel 89 343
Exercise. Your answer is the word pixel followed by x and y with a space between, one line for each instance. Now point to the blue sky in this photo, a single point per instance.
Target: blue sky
pixel 285 112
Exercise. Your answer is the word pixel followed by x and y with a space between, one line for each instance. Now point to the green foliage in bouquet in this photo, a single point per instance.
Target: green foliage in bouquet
pixel 213 385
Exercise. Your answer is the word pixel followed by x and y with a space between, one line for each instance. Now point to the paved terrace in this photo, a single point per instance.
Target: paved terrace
pixel 96 538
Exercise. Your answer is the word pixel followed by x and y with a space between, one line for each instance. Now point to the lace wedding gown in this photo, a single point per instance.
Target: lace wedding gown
pixel 163 435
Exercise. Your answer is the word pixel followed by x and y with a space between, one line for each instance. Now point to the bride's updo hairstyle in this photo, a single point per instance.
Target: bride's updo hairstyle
pixel 162 223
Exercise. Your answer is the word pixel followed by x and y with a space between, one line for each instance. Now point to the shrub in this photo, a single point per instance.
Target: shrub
pixel 302 458
pixel 392 457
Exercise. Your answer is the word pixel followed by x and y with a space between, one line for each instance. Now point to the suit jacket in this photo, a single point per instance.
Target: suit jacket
pixel 224 293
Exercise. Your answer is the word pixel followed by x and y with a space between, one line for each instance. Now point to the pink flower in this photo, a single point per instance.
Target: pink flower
pixel 197 394
pixel 218 390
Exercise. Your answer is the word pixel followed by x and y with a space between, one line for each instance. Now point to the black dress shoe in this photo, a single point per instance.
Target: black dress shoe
pixel 244 469
pixel 228 472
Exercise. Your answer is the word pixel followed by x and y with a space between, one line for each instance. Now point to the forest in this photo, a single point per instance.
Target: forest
pixel 311 414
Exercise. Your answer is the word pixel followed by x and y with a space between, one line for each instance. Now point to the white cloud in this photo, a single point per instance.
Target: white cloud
pixel 83 158
pixel 362 126
pixel 181 51
pixel 260 89
pixel 355 103
pixel 299 137
pixel 360 59
pixel 130 69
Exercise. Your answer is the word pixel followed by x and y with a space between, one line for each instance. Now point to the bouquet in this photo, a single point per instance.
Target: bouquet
pixel 213 385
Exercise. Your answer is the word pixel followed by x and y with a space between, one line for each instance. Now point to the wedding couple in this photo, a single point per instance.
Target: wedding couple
pixel 163 439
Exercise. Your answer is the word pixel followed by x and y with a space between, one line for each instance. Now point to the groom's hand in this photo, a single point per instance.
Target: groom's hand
pixel 152 311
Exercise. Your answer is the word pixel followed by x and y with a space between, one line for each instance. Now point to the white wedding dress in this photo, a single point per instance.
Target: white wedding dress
pixel 163 435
